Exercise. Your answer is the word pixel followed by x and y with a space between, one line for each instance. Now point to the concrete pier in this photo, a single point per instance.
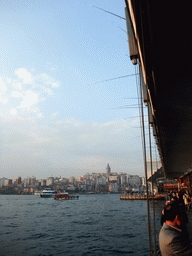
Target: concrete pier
pixel 142 197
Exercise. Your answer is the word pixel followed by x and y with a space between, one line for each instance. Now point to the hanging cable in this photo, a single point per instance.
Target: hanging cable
pixel 139 89
pixel 152 185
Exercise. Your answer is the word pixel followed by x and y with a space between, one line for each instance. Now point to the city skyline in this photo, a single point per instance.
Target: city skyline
pixel 91 182
pixel 61 110
pixel 68 177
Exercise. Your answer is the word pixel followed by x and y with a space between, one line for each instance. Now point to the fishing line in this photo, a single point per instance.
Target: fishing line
pixel 152 188
pixel 113 79
pixel 109 12
pixel 143 135
pixel 123 29
pixel 106 11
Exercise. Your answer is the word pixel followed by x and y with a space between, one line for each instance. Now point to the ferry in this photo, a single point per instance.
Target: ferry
pixel 65 196
pixel 47 193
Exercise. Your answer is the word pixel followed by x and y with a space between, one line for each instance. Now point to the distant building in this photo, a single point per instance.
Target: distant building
pixel 113 187
pixel 64 180
pixel 50 181
pixel 123 179
pixel 134 180
pixel 113 178
pixel 17 180
pixel 43 183
pixel 70 188
pixel 143 181
pixel 72 180
pixel 8 182
pixel 101 180
pixel 78 179
pixel 108 169
pixel 33 181
pixel 108 172
pixel 2 181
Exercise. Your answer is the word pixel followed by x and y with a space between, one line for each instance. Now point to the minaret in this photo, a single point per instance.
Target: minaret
pixel 108 171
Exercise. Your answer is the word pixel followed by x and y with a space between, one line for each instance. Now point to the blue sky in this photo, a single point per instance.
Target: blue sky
pixel 57 116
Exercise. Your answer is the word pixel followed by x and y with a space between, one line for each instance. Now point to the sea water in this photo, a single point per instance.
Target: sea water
pixel 98 224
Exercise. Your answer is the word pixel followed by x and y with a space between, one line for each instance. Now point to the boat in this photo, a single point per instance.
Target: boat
pixel 65 196
pixel 48 193
pixel 37 193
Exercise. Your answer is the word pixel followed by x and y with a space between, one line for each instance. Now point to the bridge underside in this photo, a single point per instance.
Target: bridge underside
pixel 163 35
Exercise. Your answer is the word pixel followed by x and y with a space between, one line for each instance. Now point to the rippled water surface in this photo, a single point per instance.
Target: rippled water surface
pixel 93 225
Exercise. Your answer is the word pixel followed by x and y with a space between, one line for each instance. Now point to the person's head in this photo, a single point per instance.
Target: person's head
pixel 173 214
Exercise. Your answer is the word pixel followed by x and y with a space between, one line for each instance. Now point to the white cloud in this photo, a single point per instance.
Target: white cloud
pixel 3 87
pixel 88 145
pixel 55 114
pixel 30 98
pixel 55 85
pixel 16 94
pixel 24 75
pixel 46 80
pixel 17 85
pixel 22 102
pixel 2 99
pixel 13 111
pixel 48 91
pixel 39 115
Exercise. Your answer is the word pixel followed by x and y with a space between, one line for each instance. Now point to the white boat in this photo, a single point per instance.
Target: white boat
pixel 37 193
pixel 46 193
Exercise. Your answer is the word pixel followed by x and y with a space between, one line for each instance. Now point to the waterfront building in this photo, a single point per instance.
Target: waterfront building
pixel 2 181
pixel 8 182
pixel 33 181
pixel 100 180
pixel 17 180
pixel 50 181
pixel 64 180
pixel 89 188
pixel 71 187
pixel 43 182
pixel 113 187
pixel 72 180
pixel 79 179
pixel 143 181
pixel 88 182
pixel 113 178
pixel 123 179
pixel 28 180
pixel 134 180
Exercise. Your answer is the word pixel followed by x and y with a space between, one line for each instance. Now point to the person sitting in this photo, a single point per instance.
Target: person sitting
pixel 173 236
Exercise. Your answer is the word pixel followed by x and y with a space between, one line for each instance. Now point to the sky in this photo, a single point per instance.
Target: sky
pixel 62 113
